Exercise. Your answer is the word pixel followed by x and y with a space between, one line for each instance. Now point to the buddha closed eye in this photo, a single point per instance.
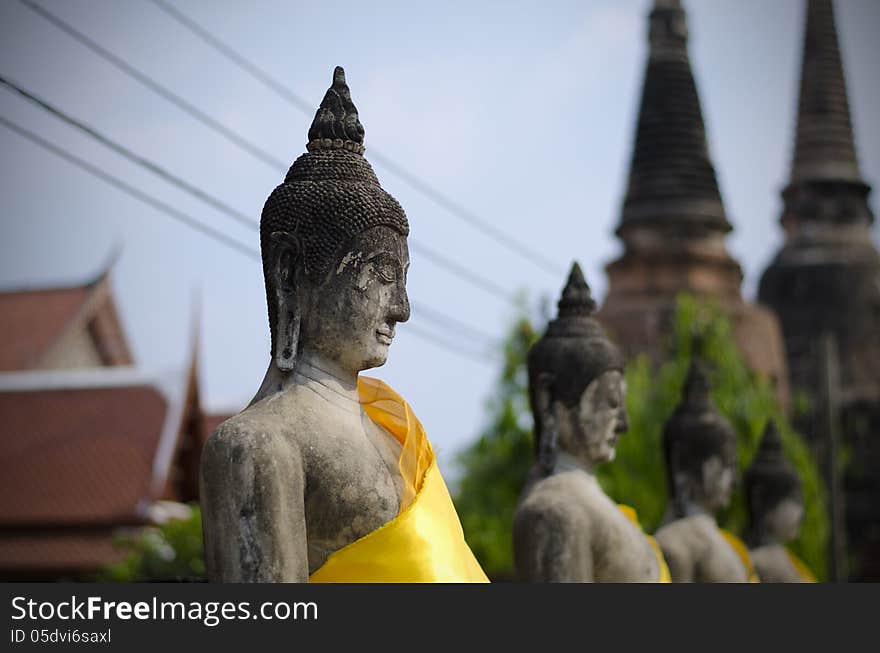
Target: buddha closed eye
pixel 353 317
pixel 386 267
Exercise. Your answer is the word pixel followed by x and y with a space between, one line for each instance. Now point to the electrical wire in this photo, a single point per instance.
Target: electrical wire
pixel 205 230
pixel 419 185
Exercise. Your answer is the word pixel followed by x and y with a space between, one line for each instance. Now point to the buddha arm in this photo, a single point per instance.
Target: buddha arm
pixel 550 547
pixel 678 559
pixel 253 516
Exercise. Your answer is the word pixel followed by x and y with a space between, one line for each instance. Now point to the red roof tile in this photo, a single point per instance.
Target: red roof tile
pixel 78 456
pixel 28 556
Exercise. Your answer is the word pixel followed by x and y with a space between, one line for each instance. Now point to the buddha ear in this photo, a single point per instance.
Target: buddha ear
pixel 544 394
pixel 287 266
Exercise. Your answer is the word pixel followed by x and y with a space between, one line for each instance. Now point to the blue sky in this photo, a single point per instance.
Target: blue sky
pixel 523 112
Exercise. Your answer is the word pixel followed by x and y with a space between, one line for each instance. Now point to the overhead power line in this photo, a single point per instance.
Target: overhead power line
pixel 116 182
pixel 154 86
pixel 243 219
pixel 210 232
pixel 461 271
pixel 451 345
pixel 395 168
pixel 266 79
pixel 235 138
pixel 413 181
pixel 240 217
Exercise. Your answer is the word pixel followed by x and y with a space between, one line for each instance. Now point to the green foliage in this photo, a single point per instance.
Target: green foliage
pixel 170 552
pixel 496 465
pixel 637 476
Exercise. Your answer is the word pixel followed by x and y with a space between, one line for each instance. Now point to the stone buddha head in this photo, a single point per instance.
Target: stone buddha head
pixel 699 447
pixel 773 492
pixel 577 389
pixel 334 249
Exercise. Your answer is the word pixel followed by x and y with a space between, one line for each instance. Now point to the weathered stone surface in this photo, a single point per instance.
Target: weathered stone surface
pixel 566 529
pixel 303 471
pixel 700 453
pixel 776 509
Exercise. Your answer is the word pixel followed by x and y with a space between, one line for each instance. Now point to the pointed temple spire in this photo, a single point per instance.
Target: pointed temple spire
pixel 673 223
pixel 823 282
pixel 671 174
pixel 824 147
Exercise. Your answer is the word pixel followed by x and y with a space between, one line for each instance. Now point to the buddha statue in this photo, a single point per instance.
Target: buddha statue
pixel 700 452
pixel 776 509
pixel 327 475
pixel 566 529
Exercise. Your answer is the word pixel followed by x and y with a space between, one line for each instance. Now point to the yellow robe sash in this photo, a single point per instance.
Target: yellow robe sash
pixel 425 542
pixel 663 569
pixel 740 548
pixel 801 567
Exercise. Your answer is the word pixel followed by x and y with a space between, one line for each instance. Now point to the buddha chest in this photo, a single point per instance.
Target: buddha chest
pixel 353 485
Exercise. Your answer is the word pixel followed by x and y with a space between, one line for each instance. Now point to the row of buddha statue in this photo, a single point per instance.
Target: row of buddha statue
pixel 566 528
pixel 328 476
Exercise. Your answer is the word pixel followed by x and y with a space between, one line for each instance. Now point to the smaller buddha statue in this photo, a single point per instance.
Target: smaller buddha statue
pixel 700 451
pixel 566 529
pixel 776 509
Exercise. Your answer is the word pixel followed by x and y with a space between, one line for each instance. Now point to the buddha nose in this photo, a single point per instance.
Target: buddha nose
pixel 399 308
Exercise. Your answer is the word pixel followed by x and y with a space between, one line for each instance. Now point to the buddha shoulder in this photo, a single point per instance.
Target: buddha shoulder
pixel 573 482
pixel 561 495
pixel 773 564
pixel 689 537
pixel 254 438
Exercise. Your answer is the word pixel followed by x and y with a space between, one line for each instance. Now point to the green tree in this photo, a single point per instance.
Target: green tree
pixel 494 468
pixel 169 552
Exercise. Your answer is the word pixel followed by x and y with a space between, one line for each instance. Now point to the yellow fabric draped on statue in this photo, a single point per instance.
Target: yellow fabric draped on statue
pixel 663 569
pixel 743 553
pixel 425 542
pixel 805 573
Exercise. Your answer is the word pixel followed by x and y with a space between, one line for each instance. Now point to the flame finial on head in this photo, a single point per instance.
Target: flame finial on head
pixel 576 299
pixel 769 479
pixel 696 394
pixel 770 448
pixel 336 124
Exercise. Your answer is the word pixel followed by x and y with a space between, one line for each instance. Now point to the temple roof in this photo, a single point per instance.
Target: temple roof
pixel 87 447
pixel 33 320
pixel 824 145
pixel 79 455
pixel 34 323
pixel 672 179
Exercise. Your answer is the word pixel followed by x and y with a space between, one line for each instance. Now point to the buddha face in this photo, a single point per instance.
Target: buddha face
pixel 596 422
pixel 784 521
pixel 717 477
pixel 353 314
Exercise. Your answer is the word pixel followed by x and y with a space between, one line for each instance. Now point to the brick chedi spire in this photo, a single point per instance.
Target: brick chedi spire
pixel 824 147
pixel 825 279
pixel 671 176
pixel 673 223
pixel 826 275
